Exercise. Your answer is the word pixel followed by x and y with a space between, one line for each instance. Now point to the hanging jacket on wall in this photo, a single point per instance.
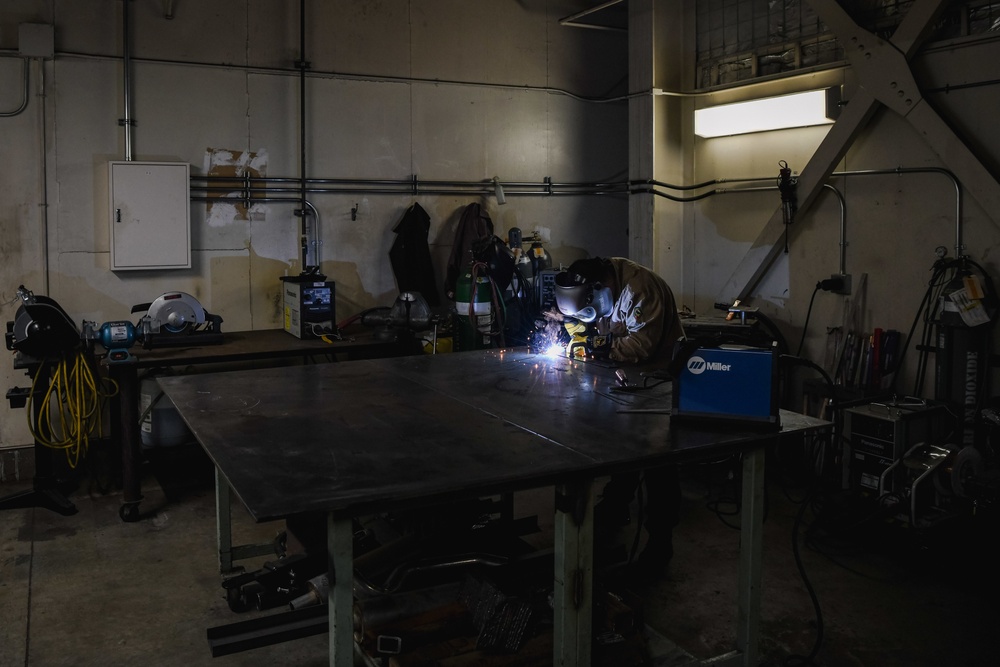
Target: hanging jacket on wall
pixel 473 226
pixel 411 257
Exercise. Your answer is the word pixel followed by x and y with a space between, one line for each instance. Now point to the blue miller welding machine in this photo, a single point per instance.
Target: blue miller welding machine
pixel 728 385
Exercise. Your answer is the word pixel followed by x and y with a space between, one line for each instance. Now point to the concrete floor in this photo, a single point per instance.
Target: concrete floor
pixel 89 589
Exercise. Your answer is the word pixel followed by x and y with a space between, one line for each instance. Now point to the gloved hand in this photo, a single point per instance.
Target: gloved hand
pixel 576 334
pixel 599 346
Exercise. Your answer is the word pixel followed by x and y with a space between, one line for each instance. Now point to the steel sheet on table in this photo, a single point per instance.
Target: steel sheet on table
pixel 365 435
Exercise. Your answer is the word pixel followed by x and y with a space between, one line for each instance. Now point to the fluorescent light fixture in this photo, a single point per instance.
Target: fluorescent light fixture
pixel 816 107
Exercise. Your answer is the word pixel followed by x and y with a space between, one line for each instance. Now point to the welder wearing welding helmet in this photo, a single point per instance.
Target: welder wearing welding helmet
pixel 580 299
pixel 634 309
pixel 629 305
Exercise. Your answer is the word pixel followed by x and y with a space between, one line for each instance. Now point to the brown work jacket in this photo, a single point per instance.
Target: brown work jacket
pixel 643 321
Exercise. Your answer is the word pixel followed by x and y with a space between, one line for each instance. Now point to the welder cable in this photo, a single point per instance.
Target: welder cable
pixel 931 297
pixel 647 381
pixel 149 408
pixel 521 299
pixel 774 331
pixel 835 405
pixel 499 310
pixel 354 318
pixel 805 325
pixel 795 660
pixel 938 282
pixel 927 302
pixel 715 505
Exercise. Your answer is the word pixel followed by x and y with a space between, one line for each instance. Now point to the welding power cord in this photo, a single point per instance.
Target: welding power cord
pixel 805 325
pixel 797 660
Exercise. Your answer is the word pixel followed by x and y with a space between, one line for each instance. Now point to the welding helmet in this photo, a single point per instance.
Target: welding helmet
pixel 581 296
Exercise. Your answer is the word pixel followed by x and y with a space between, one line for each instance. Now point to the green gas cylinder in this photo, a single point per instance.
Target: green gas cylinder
pixel 474 329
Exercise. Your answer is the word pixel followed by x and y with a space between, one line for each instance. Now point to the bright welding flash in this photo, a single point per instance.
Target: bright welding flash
pixel 555 350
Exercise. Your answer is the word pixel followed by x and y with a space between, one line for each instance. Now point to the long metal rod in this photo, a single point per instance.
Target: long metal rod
pixel 267 630
pixel 572 19
pixel 43 174
pixel 408 182
pixel 399 189
pixel 303 65
pixel 127 83
pixel 244 190
pixel 470 189
pixel 295 200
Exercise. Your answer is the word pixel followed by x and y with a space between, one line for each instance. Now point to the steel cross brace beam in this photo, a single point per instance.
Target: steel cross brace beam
pixel 885 79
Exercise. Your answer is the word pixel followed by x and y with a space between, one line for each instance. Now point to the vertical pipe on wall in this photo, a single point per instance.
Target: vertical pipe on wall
pixel 126 122
pixel 303 211
pixel 843 228
pixel 44 176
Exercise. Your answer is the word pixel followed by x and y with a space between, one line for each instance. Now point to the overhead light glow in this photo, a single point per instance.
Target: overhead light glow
pixel 816 107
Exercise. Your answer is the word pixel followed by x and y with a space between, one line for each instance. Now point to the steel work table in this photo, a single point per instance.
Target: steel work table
pixel 236 347
pixel 368 436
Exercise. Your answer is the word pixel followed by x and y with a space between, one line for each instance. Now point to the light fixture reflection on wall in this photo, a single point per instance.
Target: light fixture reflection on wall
pixel 815 107
pixel 498 191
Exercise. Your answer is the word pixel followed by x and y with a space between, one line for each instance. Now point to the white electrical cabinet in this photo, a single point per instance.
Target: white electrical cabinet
pixel 150 215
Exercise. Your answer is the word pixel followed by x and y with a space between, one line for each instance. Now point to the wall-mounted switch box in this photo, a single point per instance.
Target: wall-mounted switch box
pixel 150 208
pixel 36 40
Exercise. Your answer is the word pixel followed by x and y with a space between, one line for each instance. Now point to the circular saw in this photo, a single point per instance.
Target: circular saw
pixel 175 318
pixel 175 313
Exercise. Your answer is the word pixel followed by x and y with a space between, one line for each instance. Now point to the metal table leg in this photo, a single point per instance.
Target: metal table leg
pixel 574 574
pixel 127 378
pixel 223 523
pixel 228 553
pixel 751 534
pixel 748 577
pixel 340 551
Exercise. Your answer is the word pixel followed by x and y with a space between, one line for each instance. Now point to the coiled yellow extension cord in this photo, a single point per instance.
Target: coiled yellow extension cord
pixel 72 409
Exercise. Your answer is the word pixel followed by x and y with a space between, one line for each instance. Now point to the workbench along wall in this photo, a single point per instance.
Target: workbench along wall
pixel 437 89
